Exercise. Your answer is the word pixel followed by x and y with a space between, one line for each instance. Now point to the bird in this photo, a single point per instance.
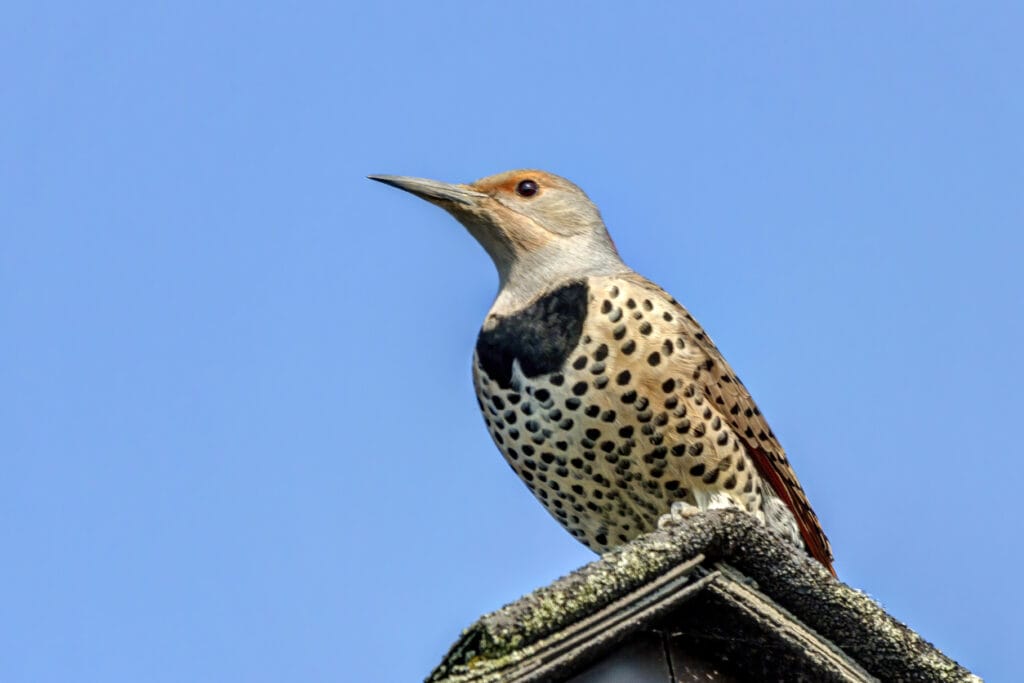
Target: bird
pixel 602 392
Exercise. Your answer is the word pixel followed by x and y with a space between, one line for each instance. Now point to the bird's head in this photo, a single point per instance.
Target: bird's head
pixel 537 227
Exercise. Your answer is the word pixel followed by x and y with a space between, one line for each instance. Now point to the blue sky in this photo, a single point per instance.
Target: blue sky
pixel 237 434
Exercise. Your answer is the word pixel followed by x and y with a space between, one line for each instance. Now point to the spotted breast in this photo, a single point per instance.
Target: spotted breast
pixel 610 403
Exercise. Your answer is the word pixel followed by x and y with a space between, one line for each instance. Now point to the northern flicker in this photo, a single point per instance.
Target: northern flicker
pixel 601 391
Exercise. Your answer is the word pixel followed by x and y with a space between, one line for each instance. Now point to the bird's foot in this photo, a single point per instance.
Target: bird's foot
pixel 678 513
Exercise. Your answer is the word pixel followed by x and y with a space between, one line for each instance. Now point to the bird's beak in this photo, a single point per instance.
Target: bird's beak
pixel 432 190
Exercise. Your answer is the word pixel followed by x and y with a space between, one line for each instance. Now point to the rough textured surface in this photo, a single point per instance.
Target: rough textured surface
pixel 654 582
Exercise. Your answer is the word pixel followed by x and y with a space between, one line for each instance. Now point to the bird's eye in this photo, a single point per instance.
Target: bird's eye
pixel 526 188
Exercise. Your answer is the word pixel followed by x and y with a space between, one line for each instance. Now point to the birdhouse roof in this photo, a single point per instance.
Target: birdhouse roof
pixel 718 597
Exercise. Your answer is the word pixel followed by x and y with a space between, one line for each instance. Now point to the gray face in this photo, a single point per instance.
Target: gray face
pixel 537 227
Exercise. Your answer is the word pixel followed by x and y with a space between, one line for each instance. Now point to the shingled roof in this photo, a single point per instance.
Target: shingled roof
pixel 717 598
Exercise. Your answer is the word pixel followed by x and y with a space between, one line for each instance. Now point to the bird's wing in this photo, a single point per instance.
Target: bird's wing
pixel 731 399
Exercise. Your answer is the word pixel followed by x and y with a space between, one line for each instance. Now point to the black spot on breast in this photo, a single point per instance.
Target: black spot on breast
pixel 540 336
